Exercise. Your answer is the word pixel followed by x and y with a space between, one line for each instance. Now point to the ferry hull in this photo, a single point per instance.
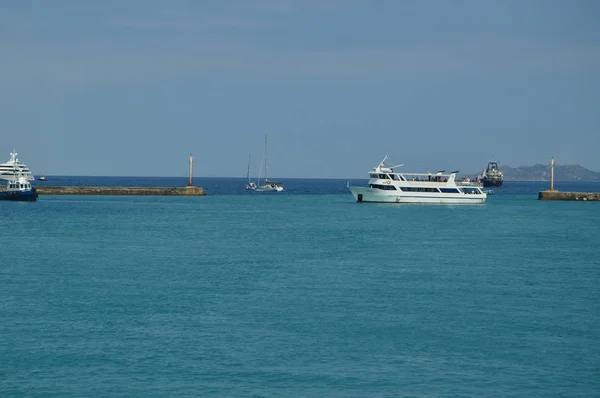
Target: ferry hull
pixel 492 183
pixel 371 195
pixel 23 196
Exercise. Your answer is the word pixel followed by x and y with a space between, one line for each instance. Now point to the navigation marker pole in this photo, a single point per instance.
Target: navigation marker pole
pixel 552 174
pixel 191 159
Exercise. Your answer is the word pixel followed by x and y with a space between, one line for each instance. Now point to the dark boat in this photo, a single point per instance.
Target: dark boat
pixel 19 189
pixel 492 176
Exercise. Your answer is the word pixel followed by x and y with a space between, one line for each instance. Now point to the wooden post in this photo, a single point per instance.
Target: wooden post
pixel 552 174
pixel 191 159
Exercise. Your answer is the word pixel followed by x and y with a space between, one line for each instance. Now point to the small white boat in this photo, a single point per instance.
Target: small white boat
pixel 7 169
pixel 387 186
pixel 42 178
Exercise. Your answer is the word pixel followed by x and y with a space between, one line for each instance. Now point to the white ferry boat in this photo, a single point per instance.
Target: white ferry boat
pixel 7 170
pixel 387 186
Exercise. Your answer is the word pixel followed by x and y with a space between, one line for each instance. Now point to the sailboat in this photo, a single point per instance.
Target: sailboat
pixel 267 186
pixel 251 185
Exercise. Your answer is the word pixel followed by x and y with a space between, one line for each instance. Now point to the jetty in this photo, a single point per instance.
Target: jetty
pixel 108 191
pixel 553 194
pixel 557 195
pixel 188 190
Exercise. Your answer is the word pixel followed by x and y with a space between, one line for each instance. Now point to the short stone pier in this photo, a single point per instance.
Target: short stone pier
pixel 552 194
pixel 557 195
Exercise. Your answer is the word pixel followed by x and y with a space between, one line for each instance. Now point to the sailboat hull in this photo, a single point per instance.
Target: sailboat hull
pixel 269 188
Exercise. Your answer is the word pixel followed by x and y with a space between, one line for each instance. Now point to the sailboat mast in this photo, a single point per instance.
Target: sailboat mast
pixel 266 167
pixel 248 173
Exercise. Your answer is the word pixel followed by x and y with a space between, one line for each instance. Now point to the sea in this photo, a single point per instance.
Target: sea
pixel 303 293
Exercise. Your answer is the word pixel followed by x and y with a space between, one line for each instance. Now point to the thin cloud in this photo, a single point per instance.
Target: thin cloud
pixel 228 58
pixel 290 6
pixel 185 24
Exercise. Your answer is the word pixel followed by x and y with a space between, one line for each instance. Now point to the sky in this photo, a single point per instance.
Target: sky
pixel 132 87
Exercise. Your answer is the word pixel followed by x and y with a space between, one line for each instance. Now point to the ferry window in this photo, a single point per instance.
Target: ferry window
pixel 384 187
pixel 449 190
pixel 419 189
pixel 383 176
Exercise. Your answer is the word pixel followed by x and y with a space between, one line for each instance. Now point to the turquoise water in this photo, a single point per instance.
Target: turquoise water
pixel 298 295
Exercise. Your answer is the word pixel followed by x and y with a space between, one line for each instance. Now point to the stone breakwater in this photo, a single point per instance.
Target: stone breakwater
pixel 142 191
pixel 581 196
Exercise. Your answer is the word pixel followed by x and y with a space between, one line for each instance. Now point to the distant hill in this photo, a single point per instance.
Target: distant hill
pixel 541 172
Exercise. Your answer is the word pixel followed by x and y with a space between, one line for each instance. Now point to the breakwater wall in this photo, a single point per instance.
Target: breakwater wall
pixel 108 191
pixel 557 195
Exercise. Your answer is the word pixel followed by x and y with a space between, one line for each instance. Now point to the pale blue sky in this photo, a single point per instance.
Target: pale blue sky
pixel 132 87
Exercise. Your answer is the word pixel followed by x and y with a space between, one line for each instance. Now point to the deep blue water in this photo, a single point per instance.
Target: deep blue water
pixel 303 293
pixel 293 186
